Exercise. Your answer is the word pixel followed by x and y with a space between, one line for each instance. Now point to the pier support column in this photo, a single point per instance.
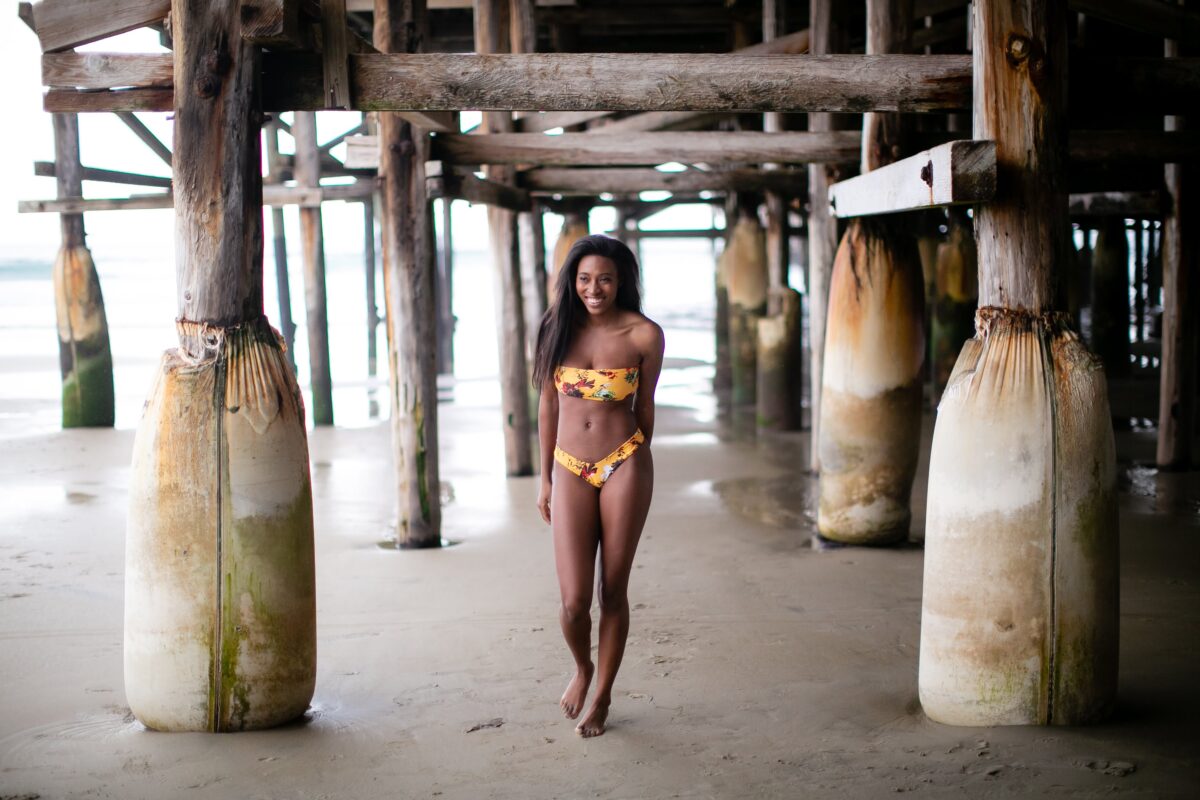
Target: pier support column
pixel 445 292
pixel 746 283
pixel 408 281
pixel 308 173
pixel 283 287
pixel 220 596
pixel 84 353
pixel 870 414
pixel 956 294
pixel 492 36
pixel 1019 606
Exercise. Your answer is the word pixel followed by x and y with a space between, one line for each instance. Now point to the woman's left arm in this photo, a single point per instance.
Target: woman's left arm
pixel 652 360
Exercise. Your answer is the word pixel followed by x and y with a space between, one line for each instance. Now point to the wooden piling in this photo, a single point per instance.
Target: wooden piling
pixel 409 264
pixel 1019 604
pixel 85 356
pixel 870 412
pixel 531 235
pixel 1110 296
pixel 445 292
pixel 279 242
pixel 220 593
pixel 955 297
pixel 746 282
pixel 369 259
pixel 492 36
pixel 825 37
pixel 1177 376
pixel 778 364
pixel 308 173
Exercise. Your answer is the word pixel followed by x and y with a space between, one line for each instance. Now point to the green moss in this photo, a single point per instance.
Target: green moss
pixel 87 392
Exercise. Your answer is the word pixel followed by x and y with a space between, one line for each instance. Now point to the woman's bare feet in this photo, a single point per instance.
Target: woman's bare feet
pixel 572 699
pixel 593 723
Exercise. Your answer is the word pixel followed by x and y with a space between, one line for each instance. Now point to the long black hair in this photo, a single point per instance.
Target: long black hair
pixel 566 310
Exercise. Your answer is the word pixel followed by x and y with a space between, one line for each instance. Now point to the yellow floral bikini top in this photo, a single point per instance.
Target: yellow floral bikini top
pixel 596 384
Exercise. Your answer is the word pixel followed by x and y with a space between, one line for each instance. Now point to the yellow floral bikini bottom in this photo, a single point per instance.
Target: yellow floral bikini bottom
pixel 599 472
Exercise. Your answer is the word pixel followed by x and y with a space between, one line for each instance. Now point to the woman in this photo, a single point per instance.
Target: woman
pixel 597 364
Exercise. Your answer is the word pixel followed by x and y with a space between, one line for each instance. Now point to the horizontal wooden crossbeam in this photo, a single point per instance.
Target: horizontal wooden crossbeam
pixel 47 169
pixel 649 149
pixel 441 180
pixel 63 24
pixel 568 82
pixel 954 173
pixel 273 195
pixel 631 181
pixel 1118 204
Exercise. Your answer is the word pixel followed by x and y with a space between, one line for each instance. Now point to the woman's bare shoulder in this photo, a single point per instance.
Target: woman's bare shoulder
pixel 646 332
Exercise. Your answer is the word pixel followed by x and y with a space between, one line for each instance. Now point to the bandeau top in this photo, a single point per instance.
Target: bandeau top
pixel 596 384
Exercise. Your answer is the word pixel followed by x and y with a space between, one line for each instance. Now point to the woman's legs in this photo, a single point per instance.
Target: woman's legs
pixel 624 503
pixel 575 520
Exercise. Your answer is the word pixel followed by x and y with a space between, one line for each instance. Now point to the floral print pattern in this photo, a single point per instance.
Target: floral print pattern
pixel 596 474
pixel 596 384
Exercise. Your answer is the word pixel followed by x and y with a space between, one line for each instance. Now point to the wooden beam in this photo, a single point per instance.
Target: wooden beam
pixel 334 53
pixel 47 169
pixel 678 233
pixel 142 132
pixel 632 181
pixel 1117 204
pixel 549 120
pixel 955 173
pixel 635 82
pixel 1153 147
pixel 1148 16
pixel 275 24
pixel 574 149
pixel 71 101
pixel 273 195
pixel 443 182
pixel 438 121
pixel 105 70
pixel 64 24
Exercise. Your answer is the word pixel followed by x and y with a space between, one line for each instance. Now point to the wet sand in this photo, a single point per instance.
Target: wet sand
pixel 757 666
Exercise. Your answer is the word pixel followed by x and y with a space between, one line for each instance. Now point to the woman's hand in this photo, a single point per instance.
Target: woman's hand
pixel 543 501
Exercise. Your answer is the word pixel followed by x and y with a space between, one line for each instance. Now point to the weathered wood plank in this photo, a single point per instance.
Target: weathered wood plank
pixel 631 181
pixel 409 296
pixel 106 70
pixel 954 173
pixel 1117 204
pixel 642 82
pixel 573 149
pixel 441 182
pixel 217 167
pixel 334 53
pixel 439 121
pixel 63 24
pixel 276 24
pixel 1154 147
pixel 272 196
pixel 545 121
pixel 48 169
pixel 69 100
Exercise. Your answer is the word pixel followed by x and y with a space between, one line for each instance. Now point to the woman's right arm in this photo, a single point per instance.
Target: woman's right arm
pixel 547 437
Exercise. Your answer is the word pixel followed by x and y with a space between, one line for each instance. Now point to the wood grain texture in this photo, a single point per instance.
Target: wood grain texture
pixel 630 181
pixel 68 175
pixel 312 240
pixel 630 82
pixel 334 53
pixel 954 173
pixel 106 70
pixel 647 149
pixel 63 24
pixel 473 189
pixel 217 166
pixel 889 28
pixel 409 264
pixel 1020 73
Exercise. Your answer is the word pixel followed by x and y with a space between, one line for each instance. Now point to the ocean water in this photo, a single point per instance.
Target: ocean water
pixel 138 283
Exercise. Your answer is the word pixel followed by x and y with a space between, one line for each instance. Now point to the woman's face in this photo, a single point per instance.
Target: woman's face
pixel 596 284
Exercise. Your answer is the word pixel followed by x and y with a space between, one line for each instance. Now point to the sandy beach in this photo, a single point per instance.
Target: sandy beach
pixel 757 666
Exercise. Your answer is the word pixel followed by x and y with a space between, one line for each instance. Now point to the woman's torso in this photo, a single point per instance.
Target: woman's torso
pixel 590 427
